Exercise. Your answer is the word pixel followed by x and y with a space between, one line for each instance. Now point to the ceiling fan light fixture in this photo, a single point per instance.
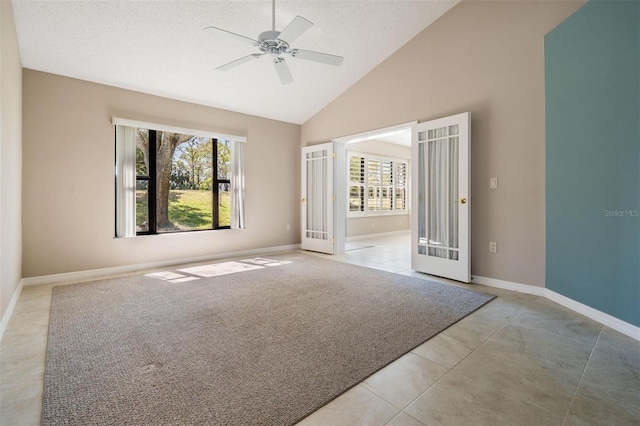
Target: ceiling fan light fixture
pixel 276 43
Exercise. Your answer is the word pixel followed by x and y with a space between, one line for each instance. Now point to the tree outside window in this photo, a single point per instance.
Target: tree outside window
pixel 182 182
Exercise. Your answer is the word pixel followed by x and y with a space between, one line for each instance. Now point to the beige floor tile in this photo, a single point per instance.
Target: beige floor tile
pixel 458 341
pixel 509 358
pixel 443 349
pixel 29 386
pixel 33 302
pixel 18 367
pixel 539 368
pixel 458 400
pixel 499 310
pixel 546 316
pixel 24 339
pixel 23 411
pixel 403 419
pixel 609 392
pixel 357 406
pixel 38 318
pixel 37 289
pixel 405 379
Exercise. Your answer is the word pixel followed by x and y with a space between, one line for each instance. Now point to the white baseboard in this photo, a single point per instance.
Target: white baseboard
pixel 7 313
pixel 596 315
pixel 73 277
pixel 382 234
pixel 508 285
pixel 92 274
pixel 589 312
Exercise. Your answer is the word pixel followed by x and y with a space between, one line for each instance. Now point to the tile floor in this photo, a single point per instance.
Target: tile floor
pixel 520 360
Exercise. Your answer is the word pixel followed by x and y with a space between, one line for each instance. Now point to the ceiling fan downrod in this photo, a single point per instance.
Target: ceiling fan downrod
pixel 273 15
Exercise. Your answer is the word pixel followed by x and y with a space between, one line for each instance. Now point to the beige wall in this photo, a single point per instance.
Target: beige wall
pixel 359 226
pixel 486 58
pixel 10 158
pixel 68 198
pixel 369 225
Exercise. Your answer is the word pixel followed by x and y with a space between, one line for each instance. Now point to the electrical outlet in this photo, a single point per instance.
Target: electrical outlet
pixel 493 247
pixel 288 227
pixel 373 225
pixel 493 183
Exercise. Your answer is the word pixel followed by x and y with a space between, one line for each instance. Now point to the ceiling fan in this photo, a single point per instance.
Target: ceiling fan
pixel 276 44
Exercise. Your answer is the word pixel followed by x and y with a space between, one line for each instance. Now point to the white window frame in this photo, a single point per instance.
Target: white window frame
pixel 394 185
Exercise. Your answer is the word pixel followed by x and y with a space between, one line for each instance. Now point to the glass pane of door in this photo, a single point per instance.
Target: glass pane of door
pixel 438 193
pixel 437 196
pixel 316 195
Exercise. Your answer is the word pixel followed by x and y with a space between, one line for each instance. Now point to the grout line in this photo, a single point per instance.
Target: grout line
pixel 458 363
pixel 575 392
pixel 430 360
pixel 362 383
pixel 406 414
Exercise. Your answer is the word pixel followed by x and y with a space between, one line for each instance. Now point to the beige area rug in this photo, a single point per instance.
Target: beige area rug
pixel 268 344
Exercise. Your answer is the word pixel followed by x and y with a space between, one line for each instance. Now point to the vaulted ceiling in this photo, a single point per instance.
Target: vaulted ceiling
pixel 160 47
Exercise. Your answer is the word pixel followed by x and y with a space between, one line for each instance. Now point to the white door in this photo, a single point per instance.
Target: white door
pixel 317 198
pixel 440 224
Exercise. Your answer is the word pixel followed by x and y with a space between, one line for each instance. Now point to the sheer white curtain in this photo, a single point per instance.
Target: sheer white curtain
pixel 125 181
pixel 237 185
pixel 453 193
pixel 437 196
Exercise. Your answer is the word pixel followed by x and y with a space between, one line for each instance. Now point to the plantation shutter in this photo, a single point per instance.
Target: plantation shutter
pixel 356 183
pixel 374 184
pixel 386 171
pixel 400 180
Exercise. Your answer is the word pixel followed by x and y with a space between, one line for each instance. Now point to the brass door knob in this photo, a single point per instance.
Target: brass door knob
pixel 463 200
pixel 303 200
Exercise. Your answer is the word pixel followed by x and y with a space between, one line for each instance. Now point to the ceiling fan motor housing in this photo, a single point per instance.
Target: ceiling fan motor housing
pixel 269 43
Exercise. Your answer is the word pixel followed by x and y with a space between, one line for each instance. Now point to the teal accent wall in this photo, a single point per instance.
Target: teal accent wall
pixel 592 101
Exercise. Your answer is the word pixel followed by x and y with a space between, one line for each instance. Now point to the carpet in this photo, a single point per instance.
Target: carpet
pixel 266 345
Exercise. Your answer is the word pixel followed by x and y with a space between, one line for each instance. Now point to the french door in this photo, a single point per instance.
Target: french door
pixel 441 226
pixel 317 198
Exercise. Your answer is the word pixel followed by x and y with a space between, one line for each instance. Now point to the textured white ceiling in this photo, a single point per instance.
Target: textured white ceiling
pixel 159 47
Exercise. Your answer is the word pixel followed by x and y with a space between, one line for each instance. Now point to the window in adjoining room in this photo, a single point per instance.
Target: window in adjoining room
pixel 377 185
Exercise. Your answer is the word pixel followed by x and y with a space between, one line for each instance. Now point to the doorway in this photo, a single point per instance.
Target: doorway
pixel 372 185
pixel 375 187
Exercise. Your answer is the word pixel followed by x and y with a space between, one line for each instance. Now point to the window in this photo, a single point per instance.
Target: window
pixel 377 185
pixel 174 181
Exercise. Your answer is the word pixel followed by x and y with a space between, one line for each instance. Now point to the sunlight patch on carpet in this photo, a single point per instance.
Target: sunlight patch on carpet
pixel 216 269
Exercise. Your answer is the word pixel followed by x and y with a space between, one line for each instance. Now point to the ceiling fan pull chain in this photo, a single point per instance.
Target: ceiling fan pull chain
pixel 273 15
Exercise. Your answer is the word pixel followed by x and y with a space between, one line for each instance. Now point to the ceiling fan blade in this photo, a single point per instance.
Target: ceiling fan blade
pixel 283 71
pixel 324 58
pixel 237 62
pixel 295 29
pixel 234 36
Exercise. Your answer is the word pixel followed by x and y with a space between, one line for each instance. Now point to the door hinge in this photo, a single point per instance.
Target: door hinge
pixel 333 155
pixel 333 240
pixel 333 198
